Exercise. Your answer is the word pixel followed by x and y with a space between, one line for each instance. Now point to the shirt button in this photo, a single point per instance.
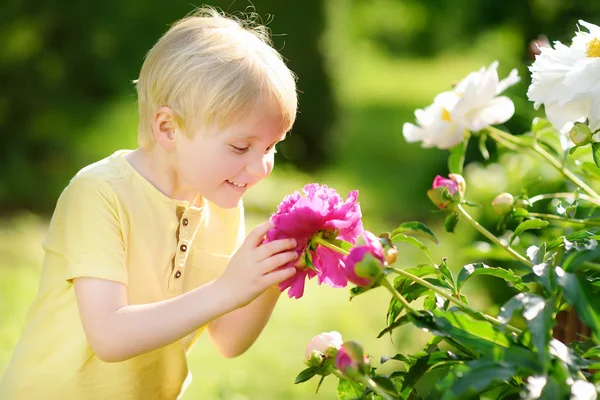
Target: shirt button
pixel 183 247
pixel 177 274
pixel 184 222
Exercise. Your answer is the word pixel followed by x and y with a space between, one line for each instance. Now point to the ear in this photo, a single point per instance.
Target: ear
pixel 164 127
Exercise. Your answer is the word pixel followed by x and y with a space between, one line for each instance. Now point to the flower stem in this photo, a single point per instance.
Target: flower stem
pixel 563 195
pixel 491 237
pixel 329 245
pixel 503 137
pixel 367 381
pixel 564 219
pixel 384 282
pixel 450 298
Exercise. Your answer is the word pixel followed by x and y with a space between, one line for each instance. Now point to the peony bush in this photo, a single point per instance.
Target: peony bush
pixel 544 245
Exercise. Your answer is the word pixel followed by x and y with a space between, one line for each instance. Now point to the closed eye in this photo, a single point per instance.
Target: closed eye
pixel 240 150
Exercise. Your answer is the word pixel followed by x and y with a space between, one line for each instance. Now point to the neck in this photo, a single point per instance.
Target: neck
pixel 158 169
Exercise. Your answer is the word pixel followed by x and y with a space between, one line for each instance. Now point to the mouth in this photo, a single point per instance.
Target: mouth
pixel 237 185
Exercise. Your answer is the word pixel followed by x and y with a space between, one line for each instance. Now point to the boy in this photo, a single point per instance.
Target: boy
pixel 145 248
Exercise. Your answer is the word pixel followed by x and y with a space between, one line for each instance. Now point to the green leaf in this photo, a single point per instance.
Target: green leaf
pixel 469 380
pixel 596 153
pixel 319 384
pixel 591 169
pixel 451 221
pixel 577 257
pixel 538 315
pixel 349 390
pixel 572 237
pixel 527 225
pixel 414 291
pixel 482 269
pixel 356 290
pixel 579 294
pixel 415 226
pixel 456 158
pixel 423 363
pixel 386 384
pixel 481 336
pixel 414 241
pixel 447 274
pixel 306 374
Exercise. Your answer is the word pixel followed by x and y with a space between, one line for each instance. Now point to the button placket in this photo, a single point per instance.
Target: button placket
pixel 189 222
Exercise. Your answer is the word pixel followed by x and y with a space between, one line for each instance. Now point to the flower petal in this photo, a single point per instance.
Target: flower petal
pixel 497 111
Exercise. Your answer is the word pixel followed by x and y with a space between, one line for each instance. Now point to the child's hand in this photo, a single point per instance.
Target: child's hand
pixel 253 268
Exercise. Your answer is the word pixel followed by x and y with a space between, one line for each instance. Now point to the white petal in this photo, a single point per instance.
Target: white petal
pixel 497 111
pixel 412 133
pixel 594 29
pixel 450 135
pixel 512 79
pixel 563 117
pixel 486 89
pixel 594 116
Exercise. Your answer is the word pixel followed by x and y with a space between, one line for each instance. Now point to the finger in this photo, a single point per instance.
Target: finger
pixel 278 276
pixel 277 246
pixel 277 260
pixel 255 237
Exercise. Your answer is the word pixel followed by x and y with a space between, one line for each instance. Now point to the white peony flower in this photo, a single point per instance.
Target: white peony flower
pixel 566 80
pixel 472 105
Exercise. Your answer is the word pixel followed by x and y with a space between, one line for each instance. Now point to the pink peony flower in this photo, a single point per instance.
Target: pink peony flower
pixel 326 343
pixel 321 214
pixel 359 273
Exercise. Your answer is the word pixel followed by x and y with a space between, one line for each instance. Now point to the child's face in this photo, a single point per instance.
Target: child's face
pixel 222 164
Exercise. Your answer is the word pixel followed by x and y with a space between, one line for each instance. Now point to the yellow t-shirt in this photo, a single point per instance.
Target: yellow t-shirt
pixel 111 223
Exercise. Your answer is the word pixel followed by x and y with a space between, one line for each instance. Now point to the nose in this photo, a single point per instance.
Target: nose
pixel 261 166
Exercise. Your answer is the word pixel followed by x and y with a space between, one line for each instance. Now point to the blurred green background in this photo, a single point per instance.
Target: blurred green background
pixel 364 66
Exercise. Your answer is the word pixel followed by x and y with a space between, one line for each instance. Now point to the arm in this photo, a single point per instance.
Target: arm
pixel 233 333
pixel 118 331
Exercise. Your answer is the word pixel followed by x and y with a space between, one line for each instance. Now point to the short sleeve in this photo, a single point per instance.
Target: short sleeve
pixel 90 225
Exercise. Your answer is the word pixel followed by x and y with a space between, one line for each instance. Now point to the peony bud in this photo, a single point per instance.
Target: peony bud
pixel 450 184
pixel 351 360
pixel 455 186
pixel 536 44
pixel 368 268
pixel 364 263
pixel 460 183
pixel 316 358
pixel 321 346
pixel 391 255
pixel 581 134
pixel 503 203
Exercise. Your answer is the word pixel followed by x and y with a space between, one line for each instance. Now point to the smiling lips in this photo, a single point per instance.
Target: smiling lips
pixel 238 185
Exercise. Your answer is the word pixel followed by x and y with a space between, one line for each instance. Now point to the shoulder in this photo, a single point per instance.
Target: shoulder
pixel 93 185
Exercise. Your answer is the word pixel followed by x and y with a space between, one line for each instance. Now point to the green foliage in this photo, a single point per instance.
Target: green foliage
pixel 512 354
pixel 63 67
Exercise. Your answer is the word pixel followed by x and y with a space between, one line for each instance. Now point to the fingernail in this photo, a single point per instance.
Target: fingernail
pixel 293 243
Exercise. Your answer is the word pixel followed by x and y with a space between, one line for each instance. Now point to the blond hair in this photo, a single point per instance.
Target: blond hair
pixel 213 69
